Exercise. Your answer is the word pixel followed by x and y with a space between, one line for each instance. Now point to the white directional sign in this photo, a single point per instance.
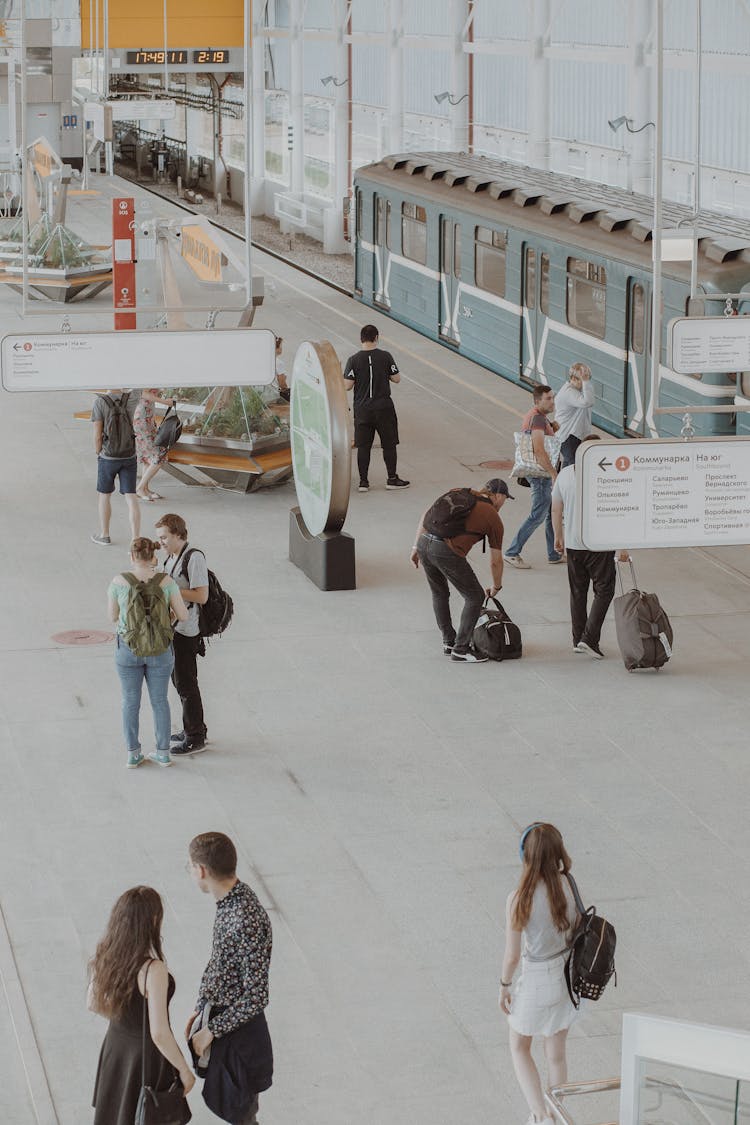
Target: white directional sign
pixel 663 493
pixel 708 343
pixel 72 361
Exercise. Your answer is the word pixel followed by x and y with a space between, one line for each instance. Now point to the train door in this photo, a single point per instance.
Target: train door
pixel 534 312
pixel 638 362
pixel 382 241
pixel 450 279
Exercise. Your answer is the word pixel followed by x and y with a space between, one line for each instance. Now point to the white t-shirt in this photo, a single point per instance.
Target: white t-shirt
pixel 565 490
pixel 197 570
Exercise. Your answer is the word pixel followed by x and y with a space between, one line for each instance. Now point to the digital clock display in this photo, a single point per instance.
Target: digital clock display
pixel 156 58
pixel 211 57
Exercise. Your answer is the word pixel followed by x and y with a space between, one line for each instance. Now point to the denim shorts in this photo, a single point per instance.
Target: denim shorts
pixel 108 470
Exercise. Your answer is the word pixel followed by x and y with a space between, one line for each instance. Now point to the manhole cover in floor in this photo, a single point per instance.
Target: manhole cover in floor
pixel 82 637
pixel 504 463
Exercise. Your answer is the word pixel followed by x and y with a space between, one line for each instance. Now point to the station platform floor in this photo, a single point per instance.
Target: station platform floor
pixel 375 789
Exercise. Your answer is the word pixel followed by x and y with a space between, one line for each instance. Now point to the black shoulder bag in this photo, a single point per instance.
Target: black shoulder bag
pixel 159 1107
pixel 591 960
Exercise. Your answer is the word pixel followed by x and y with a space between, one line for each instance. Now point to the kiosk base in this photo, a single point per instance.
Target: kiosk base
pixel 327 559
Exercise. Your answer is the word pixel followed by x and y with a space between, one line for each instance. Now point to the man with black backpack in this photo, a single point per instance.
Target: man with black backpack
pixel 189 569
pixel 447 531
pixel 114 444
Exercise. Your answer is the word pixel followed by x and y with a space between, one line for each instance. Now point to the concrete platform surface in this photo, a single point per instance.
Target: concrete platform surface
pixel 375 789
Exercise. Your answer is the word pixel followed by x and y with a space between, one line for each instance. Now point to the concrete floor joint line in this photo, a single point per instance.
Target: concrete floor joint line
pixel 23 1029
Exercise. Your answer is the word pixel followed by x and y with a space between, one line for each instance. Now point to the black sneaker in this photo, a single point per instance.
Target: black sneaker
pixel 396 482
pixel 469 656
pixel 591 649
pixel 180 736
pixel 364 486
pixel 447 649
pixel 190 746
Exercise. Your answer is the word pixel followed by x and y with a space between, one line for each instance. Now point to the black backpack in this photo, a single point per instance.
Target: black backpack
pixel 170 430
pixel 118 435
pixel 215 615
pixel 448 515
pixel 591 961
pixel 495 635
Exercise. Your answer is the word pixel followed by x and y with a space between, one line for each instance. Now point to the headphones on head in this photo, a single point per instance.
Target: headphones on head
pixel 524 834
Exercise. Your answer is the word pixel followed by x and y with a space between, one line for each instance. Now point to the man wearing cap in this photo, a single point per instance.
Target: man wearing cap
pixel 444 561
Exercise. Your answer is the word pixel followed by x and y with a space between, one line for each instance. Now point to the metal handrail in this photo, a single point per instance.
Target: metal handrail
pixel 554 1097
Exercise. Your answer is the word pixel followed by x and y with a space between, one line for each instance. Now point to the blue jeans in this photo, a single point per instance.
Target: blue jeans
pixel 541 510
pixel 156 671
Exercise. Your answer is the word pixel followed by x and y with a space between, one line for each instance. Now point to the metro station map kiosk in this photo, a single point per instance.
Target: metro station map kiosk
pixel 321 459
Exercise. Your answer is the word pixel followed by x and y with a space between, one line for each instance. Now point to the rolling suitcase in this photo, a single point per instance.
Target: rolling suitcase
pixel 644 633
pixel 495 635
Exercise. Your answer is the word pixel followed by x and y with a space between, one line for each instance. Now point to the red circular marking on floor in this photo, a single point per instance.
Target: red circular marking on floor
pixel 505 463
pixel 82 637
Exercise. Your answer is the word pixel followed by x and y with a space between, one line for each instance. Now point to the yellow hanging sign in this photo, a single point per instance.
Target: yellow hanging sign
pixel 201 253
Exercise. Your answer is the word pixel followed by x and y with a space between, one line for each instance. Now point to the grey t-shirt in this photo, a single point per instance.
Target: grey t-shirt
pixel 100 410
pixel 197 575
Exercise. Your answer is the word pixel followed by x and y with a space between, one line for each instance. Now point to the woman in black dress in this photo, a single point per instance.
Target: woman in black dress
pixel 128 965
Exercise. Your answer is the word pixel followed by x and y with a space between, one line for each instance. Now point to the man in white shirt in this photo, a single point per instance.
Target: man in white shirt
pixel 573 405
pixel 596 568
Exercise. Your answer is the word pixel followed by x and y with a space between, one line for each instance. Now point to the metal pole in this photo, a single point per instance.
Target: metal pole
pixel 247 63
pixel 106 49
pixel 697 130
pixel 24 168
pixel 656 317
pixel 166 69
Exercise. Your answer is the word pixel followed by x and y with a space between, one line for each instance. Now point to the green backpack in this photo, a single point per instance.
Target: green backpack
pixel 148 627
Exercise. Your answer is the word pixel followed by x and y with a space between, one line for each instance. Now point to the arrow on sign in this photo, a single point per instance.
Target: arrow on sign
pixel 17 346
pixel 604 464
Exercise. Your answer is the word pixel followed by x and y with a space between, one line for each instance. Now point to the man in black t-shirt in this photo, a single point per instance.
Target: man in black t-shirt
pixel 370 372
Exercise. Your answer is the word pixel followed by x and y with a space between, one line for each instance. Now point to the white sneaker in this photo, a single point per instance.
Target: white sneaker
pixel 517 562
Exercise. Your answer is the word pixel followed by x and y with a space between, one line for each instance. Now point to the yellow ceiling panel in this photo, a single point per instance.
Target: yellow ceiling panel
pixel 140 23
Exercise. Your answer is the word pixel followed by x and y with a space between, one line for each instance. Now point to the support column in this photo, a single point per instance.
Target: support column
pixel 256 158
pixel 394 64
pixel 640 105
pixel 538 87
pixel 333 241
pixel 296 95
pixel 459 79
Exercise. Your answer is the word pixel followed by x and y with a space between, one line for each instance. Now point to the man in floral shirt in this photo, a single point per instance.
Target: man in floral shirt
pixel 234 987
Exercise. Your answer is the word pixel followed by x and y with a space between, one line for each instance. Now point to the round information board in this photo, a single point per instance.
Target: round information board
pixel 321 453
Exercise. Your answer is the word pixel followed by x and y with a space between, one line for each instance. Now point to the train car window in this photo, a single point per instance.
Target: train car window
pixel 529 281
pixel 388 224
pixel 587 297
pixel 382 222
pixel 358 213
pixel 745 383
pixel 637 319
pixel 456 251
pixel 489 259
pixel 544 284
pixel 414 232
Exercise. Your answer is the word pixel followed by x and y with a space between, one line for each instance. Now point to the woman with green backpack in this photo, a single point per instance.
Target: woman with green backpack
pixel 145 604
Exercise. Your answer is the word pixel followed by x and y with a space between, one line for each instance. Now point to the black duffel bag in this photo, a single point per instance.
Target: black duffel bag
pixel 495 635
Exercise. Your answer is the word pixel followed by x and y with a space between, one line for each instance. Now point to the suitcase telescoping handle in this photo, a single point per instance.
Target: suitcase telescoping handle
pixel 633 578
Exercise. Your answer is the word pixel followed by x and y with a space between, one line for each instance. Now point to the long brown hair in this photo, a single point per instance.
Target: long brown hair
pixel 544 858
pixel 133 935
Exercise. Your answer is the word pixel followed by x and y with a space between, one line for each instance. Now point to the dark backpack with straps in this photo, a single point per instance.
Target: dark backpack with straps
pixel 216 614
pixel 148 625
pixel 591 960
pixel 118 434
pixel 170 430
pixel 495 635
pixel 448 515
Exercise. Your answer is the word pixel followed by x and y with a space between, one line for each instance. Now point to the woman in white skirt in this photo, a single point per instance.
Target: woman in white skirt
pixel 540 917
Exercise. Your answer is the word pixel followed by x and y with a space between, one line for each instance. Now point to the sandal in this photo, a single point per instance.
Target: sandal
pixel 155 496
pixel 142 496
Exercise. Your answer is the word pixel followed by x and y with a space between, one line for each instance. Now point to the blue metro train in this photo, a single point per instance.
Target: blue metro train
pixel 526 272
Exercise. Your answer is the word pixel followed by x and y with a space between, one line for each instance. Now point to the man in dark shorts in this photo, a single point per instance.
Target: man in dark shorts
pixel 444 562
pixel 537 423
pixel 115 464
pixel 370 372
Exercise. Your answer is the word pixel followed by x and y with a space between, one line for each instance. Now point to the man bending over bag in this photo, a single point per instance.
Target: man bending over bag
pixel 446 533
